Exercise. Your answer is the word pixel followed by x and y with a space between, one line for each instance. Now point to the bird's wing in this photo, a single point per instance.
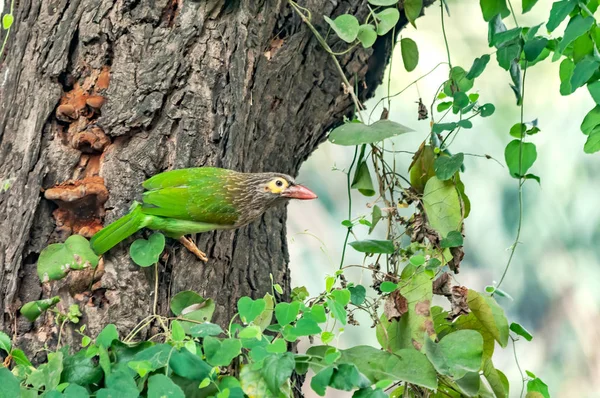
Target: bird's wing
pixel 198 194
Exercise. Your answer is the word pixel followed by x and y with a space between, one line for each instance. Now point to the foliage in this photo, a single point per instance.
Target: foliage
pixel 425 350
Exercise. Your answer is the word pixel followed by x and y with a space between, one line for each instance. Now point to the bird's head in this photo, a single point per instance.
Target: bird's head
pixel 276 185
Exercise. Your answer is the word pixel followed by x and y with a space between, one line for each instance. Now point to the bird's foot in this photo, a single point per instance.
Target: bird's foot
pixel 191 246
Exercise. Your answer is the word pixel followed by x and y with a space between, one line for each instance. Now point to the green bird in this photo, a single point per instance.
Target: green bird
pixel 189 201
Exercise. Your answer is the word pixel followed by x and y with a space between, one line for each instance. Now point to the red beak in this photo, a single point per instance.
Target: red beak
pixel 298 192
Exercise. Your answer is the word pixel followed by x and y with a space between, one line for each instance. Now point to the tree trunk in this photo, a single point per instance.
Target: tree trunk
pixel 236 84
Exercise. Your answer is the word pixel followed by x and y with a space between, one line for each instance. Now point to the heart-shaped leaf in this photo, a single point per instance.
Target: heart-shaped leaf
pixel 250 309
pixel 147 252
pixel 356 133
pixel 446 166
pixel 367 35
pixel 346 26
pixel 388 18
pixel 59 258
pixel 190 305
pixel 453 239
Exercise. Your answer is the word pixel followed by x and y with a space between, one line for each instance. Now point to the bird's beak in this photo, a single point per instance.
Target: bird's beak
pixel 298 192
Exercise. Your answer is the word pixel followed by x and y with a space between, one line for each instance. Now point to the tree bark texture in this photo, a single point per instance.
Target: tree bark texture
pixel 98 95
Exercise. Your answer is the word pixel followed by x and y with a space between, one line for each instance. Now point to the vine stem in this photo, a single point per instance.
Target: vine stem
pixel 444 33
pixel 514 341
pixel 324 44
pixel 514 245
pixel 349 207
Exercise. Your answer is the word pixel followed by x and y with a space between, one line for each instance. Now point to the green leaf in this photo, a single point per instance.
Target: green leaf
pixel 528 156
pixel 362 180
pixel 317 313
pixel 454 239
pixel 560 10
pixel 421 168
pixel 347 377
pixel 10 384
pixel 80 369
pixel 287 312
pixel 345 26
pixel 478 66
pixel 410 54
pixel 250 309
pixel 33 309
pixel 442 206
pixel 583 71
pixel 507 54
pixel 306 327
pixel 188 365
pixel 120 384
pixel 367 35
pixel 460 101
pixel 160 386
pixel 591 120
pixel 456 354
pixel 518 130
pixel 48 374
pixel 388 18
pixel 59 258
pixel 412 9
pixel 7 21
pixel 592 145
pixel 299 293
pixel 205 329
pixel 506 36
pixel 537 385
pixel 594 89
pixel 418 294
pixel 496 378
pixel 491 8
pixel 358 294
pixel 376 216
pixel 277 369
pixel 521 331
pixel 5 343
pixel 446 166
pixel 533 48
pixel 441 127
pixel 221 352
pixel 321 380
pixel 250 332
pixel 147 252
pixel 388 287
pixel 75 391
pixel 407 365
pixel 490 314
pixel 20 358
pixel 487 110
pixel 278 346
pixel 443 106
pixel 458 76
pixel 350 134
pixel 374 246
pixel 577 26
pixel 107 336
pixel 566 72
pixel 157 356
pixel 528 5
pixel 190 305
pixel 266 316
pixel 383 2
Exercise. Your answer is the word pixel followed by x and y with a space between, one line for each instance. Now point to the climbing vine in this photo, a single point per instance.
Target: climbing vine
pixel 425 350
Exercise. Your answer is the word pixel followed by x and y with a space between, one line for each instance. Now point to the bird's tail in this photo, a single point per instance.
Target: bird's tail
pixel 109 236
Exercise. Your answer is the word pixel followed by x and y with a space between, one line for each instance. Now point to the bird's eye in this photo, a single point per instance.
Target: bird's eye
pixel 279 183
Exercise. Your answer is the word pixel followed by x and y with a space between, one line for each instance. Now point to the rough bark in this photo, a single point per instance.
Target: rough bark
pixel 236 84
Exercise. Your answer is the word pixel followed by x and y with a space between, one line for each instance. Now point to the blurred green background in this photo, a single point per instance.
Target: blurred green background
pixel 554 276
